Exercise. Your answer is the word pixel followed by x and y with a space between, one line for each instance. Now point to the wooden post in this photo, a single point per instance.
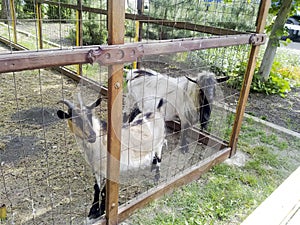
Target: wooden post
pixel 79 32
pixel 140 8
pixel 261 21
pixel 116 31
pixel 39 23
pixel 3 213
pixel 13 19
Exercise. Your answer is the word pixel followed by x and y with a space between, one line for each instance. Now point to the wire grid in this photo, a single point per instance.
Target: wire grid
pixel 56 182
pixel 38 181
pixel 59 22
pixel 174 161
pixel 210 12
pixel 58 25
pixel 239 15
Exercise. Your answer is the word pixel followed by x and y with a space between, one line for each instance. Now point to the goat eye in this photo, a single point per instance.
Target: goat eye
pixel 148 115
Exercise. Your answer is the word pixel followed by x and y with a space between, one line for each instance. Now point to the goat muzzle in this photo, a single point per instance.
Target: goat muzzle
pixel 92 138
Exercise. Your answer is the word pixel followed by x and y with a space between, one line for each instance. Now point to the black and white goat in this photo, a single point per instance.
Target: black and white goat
pixel 187 99
pixel 142 142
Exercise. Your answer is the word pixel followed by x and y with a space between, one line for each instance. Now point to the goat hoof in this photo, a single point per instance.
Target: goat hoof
pixel 184 149
pixel 95 214
pixel 157 177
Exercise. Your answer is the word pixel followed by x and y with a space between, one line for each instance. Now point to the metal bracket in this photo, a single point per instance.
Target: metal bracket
pixel 257 39
pixel 112 55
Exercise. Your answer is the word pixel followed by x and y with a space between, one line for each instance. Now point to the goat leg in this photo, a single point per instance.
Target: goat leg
pixel 156 166
pixel 205 112
pixel 95 211
pixel 183 140
pixel 103 200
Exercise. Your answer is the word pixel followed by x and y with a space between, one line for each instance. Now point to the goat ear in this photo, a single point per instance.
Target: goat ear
pixel 63 115
pixel 95 104
pixel 161 103
pixel 149 115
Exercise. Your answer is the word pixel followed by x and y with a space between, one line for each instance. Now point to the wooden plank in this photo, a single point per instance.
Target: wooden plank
pixel 184 178
pixel 63 70
pixel 116 31
pixel 265 4
pixel 281 207
pixel 114 142
pixel 262 15
pixel 13 21
pixel 79 31
pixel 39 19
pixel 12 45
pixel 140 8
pixel 84 80
pixel 58 57
pixel 183 25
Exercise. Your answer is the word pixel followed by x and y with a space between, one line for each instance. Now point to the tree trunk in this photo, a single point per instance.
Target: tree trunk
pixel 4 10
pixel 273 42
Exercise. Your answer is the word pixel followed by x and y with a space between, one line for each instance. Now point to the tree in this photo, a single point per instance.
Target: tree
pixel 29 9
pixel 4 8
pixel 276 32
pixel 57 12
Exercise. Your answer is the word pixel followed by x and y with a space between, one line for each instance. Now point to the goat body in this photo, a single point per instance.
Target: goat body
pixel 145 91
pixel 142 140
pixel 186 100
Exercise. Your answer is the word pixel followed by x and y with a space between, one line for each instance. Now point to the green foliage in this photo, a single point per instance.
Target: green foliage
pixel 28 10
pixel 93 33
pixel 273 12
pixel 280 81
pixel 276 4
pixel 231 14
pixel 55 12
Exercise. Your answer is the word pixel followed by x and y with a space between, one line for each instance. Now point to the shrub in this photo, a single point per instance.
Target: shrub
pixel 93 33
pixel 280 81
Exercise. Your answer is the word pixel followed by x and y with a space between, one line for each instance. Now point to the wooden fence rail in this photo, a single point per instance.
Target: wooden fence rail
pixel 113 54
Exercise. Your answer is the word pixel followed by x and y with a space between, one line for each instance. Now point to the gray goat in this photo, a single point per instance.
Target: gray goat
pixel 187 99
pixel 142 142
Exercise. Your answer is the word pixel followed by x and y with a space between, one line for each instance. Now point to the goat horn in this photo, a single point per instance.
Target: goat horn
pixel 190 79
pixel 222 79
pixel 80 100
pixel 67 102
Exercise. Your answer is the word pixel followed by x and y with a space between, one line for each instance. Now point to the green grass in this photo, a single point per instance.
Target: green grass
pixel 227 194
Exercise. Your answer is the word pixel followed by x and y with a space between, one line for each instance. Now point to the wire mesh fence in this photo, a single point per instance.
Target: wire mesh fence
pixel 44 176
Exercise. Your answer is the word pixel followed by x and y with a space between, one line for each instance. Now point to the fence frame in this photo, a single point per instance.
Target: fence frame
pixel 116 17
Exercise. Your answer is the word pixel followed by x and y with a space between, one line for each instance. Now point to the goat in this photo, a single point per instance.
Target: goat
pixel 142 142
pixel 188 99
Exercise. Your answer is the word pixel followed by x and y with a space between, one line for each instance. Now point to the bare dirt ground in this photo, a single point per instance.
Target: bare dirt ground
pixel 281 111
pixel 273 108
